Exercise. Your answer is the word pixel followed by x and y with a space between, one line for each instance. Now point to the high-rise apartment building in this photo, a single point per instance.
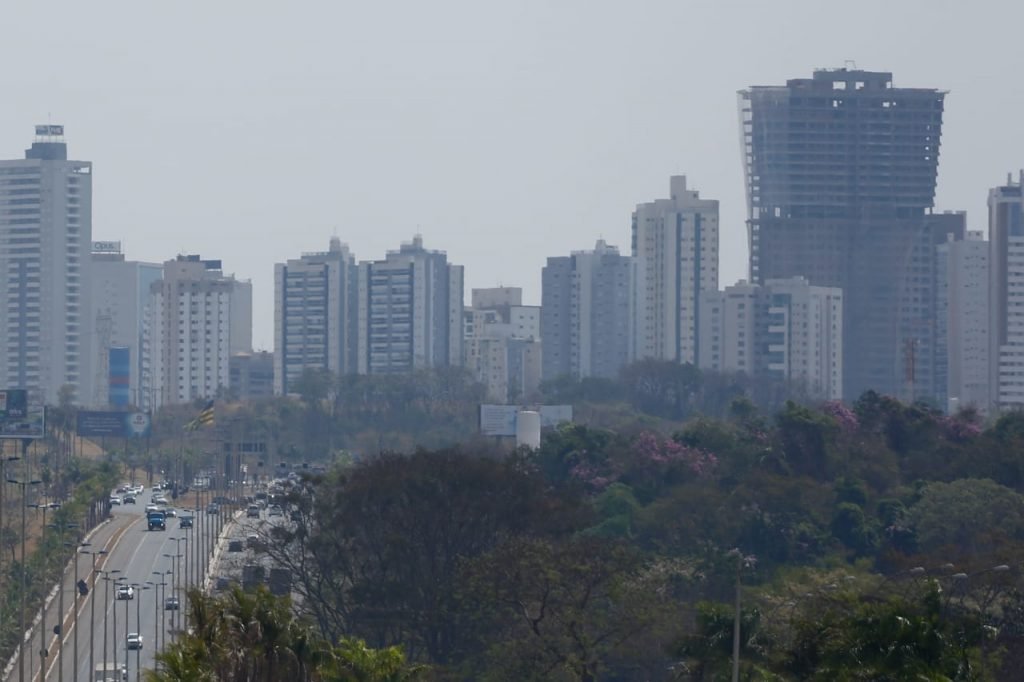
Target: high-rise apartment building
pixel 315 315
pixel 120 292
pixel 46 332
pixel 785 330
pixel 586 311
pixel 675 251
pixel 410 311
pixel 196 319
pixel 503 343
pixel 840 176
pixel 963 322
pixel 1006 293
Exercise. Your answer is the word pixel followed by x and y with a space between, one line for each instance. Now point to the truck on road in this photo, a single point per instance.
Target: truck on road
pixel 156 520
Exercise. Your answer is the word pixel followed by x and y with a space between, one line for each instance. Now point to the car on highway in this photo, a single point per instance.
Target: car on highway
pixel 125 592
pixel 171 604
pixel 252 511
pixel 213 508
pixel 128 499
pixel 134 641
pixel 115 499
pixel 186 522
pixel 275 510
pixel 172 512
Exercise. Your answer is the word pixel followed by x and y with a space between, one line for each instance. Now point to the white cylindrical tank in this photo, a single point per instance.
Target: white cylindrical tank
pixel 528 429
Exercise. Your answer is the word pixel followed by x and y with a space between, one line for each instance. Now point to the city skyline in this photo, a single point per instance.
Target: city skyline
pixel 473 128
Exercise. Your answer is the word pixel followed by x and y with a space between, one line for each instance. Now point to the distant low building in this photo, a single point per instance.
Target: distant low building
pixel 251 375
pixel 503 344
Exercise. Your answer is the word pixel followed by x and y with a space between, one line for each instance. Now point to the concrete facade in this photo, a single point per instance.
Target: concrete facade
pixel 1006 294
pixel 963 321
pixel 503 344
pixel 786 330
pixel 315 315
pixel 586 313
pixel 46 331
pixel 840 176
pixel 119 297
pixel 251 375
pixel 192 331
pixel 409 311
pixel 675 252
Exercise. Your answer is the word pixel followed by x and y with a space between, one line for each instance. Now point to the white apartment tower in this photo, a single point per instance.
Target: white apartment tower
pixel 1006 294
pixel 197 318
pixel 45 276
pixel 785 329
pixel 962 321
pixel 409 311
pixel 315 315
pixel 503 343
pixel 586 310
pixel 675 248
pixel 120 293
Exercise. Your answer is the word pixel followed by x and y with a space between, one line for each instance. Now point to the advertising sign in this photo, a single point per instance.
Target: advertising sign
pixel 20 418
pixel 95 424
pixel 500 420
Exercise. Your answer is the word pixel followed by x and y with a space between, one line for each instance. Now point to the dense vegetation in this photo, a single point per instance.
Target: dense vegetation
pixel 878 541
pixel 882 541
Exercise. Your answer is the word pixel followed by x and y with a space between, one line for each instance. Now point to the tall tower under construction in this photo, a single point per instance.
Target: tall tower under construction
pixel 840 175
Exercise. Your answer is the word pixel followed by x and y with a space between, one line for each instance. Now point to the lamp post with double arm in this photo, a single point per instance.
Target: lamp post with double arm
pixel 43 506
pixel 24 573
pixel 107 579
pixel 92 607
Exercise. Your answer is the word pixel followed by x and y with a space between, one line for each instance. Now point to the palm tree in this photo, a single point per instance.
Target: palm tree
pixel 255 637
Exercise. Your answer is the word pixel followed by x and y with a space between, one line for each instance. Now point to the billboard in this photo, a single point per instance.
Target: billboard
pixel 20 417
pixel 95 424
pixel 118 389
pixel 500 420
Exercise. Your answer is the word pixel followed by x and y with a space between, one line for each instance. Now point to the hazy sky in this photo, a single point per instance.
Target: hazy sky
pixel 503 132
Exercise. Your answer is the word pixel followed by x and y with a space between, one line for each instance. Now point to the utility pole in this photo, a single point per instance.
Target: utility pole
pixel 42 583
pixel 92 614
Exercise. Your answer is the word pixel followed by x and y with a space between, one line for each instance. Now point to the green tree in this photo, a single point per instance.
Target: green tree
pixel 972 514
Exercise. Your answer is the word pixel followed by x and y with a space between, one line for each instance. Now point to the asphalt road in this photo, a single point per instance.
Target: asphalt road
pixel 135 556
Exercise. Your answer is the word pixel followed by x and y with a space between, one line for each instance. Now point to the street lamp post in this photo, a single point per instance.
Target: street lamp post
pixel 138 628
pixel 92 612
pixel 42 583
pixel 24 574
pixel 175 559
pixel 106 609
pixel 120 579
pixel 126 629
pixel 74 621
pixel 60 602
pixel 156 614
pixel 3 464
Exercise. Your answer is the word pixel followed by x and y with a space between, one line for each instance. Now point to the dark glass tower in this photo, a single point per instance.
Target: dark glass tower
pixel 840 174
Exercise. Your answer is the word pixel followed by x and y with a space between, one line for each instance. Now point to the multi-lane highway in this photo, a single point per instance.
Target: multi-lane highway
pixel 157 565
